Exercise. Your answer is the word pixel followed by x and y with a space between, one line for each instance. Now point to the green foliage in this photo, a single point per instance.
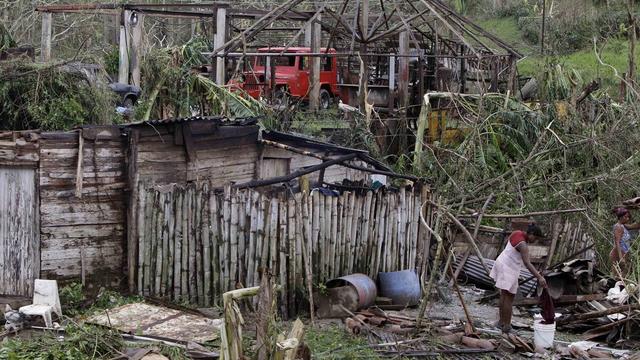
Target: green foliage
pixel 111 61
pixel 173 89
pixel 71 296
pixel 33 96
pixel 74 300
pixel 333 342
pixel 79 342
pixel 6 40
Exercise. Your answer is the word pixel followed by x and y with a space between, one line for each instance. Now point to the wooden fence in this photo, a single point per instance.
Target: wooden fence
pixel 195 243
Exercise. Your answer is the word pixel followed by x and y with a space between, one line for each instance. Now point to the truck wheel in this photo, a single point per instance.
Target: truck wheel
pixel 325 99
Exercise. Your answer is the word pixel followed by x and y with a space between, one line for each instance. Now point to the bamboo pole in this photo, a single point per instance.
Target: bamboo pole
pixel 348 244
pixel 184 272
pixel 402 228
pixel 171 243
pixel 334 236
pixel 299 239
pixel 253 235
pixel 382 228
pixel 316 234
pixel 192 266
pixel 148 241
pixel 282 237
pixel 158 244
pixel 339 235
pixel 165 245
pixel 177 261
pixel 364 238
pixel 216 259
pixel 226 238
pixel 322 245
pixel 291 250
pixel 198 245
pixel 205 225
pixel 372 244
pixel 242 238
pixel 356 229
pixel 386 253
pixel 142 198
pixel 273 234
pixel 263 232
pixel 393 261
pixel 307 243
pixel 233 240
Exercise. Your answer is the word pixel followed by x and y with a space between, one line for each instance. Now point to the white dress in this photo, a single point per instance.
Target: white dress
pixel 506 269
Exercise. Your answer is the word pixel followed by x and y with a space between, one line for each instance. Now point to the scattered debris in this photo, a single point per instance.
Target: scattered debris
pixel 159 322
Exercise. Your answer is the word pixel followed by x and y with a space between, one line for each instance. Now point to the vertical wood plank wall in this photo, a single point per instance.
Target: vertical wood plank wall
pixel 82 233
pixel 195 243
pixel 19 230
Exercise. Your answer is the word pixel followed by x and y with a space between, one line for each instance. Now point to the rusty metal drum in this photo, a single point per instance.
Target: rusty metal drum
pixel 402 287
pixel 364 285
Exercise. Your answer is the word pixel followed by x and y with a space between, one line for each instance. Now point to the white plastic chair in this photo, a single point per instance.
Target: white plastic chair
pixel 45 301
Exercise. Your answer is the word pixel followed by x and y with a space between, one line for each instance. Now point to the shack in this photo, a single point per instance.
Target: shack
pixel 70 199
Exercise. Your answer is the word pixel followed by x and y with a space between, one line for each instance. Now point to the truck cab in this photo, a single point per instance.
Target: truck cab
pixel 287 75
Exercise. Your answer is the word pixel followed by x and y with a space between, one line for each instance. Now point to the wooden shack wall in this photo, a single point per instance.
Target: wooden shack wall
pixel 332 174
pixel 82 228
pixel 165 155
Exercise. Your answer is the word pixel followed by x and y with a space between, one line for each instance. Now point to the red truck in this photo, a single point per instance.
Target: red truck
pixel 291 76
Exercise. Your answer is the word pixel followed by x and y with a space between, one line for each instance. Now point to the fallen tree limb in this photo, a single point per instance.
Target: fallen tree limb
pixel 525 215
pixel 597 314
pixel 468 236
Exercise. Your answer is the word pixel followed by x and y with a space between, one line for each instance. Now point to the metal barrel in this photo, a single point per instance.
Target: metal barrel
pixel 363 284
pixel 402 287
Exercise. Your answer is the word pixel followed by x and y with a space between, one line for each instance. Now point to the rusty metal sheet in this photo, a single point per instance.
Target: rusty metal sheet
pixel 150 320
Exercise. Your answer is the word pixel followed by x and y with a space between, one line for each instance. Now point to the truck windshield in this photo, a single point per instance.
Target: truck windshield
pixel 278 60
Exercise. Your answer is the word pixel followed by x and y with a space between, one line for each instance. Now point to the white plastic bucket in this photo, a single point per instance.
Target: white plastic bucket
pixel 543 334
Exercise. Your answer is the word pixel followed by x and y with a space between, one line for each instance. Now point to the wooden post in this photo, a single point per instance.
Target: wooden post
pixel 463 72
pixel 403 89
pixel 47 20
pixel 314 78
pixel 136 50
pixel 220 39
pixel 123 67
pixel 133 210
pixel 403 73
pixel 364 60
pixel 544 19
pixel 392 81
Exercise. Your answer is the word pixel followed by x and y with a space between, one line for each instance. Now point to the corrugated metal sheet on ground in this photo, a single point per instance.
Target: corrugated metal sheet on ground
pixel 150 320
pixel 476 274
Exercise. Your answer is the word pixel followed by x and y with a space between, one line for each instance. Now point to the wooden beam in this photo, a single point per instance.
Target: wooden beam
pixel 45 53
pixel 314 90
pixel 136 49
pixel 123 50
pixel 220 39
pixel 403 72
pixel 392 81
pixel 132 209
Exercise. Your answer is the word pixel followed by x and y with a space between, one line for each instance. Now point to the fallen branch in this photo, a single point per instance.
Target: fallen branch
pixel 525 215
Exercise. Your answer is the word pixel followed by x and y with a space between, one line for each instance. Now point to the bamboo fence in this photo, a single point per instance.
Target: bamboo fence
pixel 196 243
pixel 569 237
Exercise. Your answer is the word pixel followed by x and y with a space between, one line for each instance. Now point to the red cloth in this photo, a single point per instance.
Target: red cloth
pixel 517 237
pixel 548 309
